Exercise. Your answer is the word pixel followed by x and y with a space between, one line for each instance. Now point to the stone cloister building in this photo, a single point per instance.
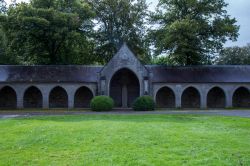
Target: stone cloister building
pixel 124 79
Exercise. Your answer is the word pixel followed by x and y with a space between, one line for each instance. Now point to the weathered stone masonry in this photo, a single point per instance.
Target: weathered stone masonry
pixel 124 78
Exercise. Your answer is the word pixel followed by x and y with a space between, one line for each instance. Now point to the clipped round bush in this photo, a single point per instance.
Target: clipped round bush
pixel 102 103
pixel 144 103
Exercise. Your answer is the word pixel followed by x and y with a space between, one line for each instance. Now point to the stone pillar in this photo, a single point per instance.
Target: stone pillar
pixel 229 99
pixel 203 100
pixel 19 100
pixel 103 88
pixel 70 100
pixel 124 96
pixel 146 86
pixel 178 93
pixel 45 100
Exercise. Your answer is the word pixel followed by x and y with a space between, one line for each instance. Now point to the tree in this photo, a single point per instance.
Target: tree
pixel 2 37
pixel 119 21
pixel 162 60
pixel 49 32
pixel 192 31
pixel 234 56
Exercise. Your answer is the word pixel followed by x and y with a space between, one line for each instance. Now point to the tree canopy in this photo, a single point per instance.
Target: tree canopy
pixel 191 31
pixel 119 21
pixel 180 32
pixel 234 56
pixel 49 32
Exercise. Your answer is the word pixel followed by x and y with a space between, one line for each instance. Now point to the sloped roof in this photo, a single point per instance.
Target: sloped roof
pixel 160 74
pixel 47 74
pixel 200 74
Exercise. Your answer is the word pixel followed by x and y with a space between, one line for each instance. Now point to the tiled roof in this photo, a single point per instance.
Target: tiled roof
pixel 200 74
pixel 192 74
pixel 42 74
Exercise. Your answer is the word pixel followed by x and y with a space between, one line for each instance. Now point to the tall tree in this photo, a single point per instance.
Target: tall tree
pixel 119 21
pixel 192 31
pixel 2 36
pixel 49 32
pixel 234 56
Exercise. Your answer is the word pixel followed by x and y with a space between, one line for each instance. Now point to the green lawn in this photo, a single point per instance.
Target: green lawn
pixel 125 140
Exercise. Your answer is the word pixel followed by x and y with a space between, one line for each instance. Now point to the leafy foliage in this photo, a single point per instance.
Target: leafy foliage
pixel 163 60
pixel 102 103
pixel 49 32
pixel 234 56
pixel 185 32
pixel 191 31
pixel 144 103
pixel 119 21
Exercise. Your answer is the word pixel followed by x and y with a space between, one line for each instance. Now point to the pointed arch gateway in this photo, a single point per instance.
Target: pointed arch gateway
pixel 8 98
pixel 83 97
pixel 165 98
pixel 241 98
pixel 58 98
pixel 32 98
pixel 124 88
pixel 190 98
pixel 216 98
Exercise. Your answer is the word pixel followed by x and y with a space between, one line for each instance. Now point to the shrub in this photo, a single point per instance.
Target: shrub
pixel 102 103
pixel 144 103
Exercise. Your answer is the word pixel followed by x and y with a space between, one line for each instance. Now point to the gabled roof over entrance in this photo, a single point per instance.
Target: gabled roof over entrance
pixel 124 58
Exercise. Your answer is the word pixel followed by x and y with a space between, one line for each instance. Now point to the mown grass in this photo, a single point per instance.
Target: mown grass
pixel 125 140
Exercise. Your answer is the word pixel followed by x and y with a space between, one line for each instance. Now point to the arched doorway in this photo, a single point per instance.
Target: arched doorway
pixel 216 98
pixel 190 98
pixel 8 98
pixel 58 98
pixel 241 98
pixel 124 88
pixel 83 97
pixel 32 98
pixel 165 98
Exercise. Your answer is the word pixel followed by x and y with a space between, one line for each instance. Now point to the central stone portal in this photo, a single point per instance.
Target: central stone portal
pixel 124 88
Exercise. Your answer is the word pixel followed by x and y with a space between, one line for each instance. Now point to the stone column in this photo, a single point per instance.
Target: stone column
pixel 45 100
pixel 178 93
pixel 70 100
pixel 103 88
pixel 203 100
pixel 229 99
pixel 124 96
pixel 19 100
pixel 146 87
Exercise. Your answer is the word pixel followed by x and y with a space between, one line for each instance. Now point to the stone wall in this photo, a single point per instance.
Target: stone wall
pixel 211 95
pixel 20 96
pixel 79 95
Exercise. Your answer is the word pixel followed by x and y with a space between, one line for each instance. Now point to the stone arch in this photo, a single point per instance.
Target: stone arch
pixel 241 98
pixel 216 98
pixel 58 98
pixel 8 98
pixel 124 87
pixel 83 97
pixel 165 98
pixel 33 98
pixel 191 98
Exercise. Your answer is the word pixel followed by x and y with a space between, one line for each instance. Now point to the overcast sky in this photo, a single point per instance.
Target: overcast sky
pixel 240 9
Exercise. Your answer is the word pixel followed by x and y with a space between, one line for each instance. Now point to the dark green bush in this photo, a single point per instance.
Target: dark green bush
pixel 102 103
pixel 144 103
